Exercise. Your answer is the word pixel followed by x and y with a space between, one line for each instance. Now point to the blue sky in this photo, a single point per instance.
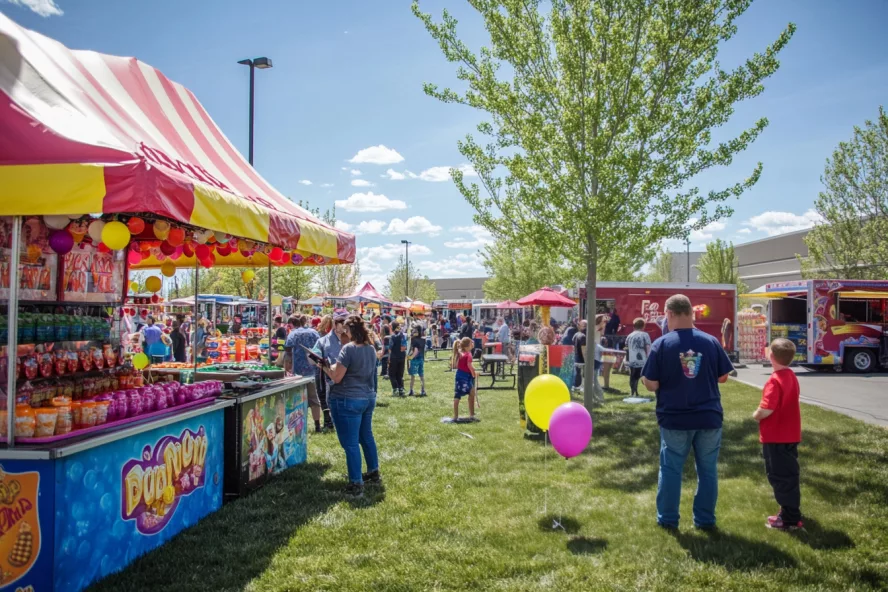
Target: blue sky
pixel 347 80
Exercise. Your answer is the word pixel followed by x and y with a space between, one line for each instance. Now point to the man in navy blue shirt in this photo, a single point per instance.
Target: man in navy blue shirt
pixel 685 368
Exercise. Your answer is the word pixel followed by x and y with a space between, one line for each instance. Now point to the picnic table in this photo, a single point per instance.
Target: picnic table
pixel 497 373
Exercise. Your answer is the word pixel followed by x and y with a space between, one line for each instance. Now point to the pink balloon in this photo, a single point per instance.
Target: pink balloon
pixel 570 429
pixel 134 257
pixel 177 253
pixel 61 241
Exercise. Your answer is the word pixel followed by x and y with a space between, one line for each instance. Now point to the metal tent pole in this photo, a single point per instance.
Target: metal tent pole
pixel 269 301
pixel 196 310
pixel 12 338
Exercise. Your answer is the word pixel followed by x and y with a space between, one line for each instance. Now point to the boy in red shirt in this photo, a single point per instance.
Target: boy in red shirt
pixel 780 431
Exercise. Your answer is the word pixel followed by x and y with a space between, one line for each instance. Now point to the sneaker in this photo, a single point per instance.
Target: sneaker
pixel 328 427
pixel 423 394
pixel 777 523
pixel 410 394
pixel 394 392
pixel 372 477
pixel 401 393
pixel 354 489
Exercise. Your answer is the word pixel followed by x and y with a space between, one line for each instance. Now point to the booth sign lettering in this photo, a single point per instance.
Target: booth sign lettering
pixel 154 483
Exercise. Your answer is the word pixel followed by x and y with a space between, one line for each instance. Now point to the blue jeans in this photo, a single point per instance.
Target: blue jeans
pixel 352 419
pixel 674 448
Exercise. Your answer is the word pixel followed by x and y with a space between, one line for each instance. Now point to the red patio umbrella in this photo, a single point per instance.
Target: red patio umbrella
pixel 544 298
pixel 508 305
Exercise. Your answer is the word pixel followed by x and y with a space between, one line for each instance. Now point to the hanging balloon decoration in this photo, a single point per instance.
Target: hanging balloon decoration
pixel 136 225
pixel 153 284
pixel 248 276
pixel 56 222
pixel 223 250
pixel 188 250
pixel 103 248
pixel 233 245
pixel 176 236
pixel 297 259
pixel 221 237
pixel 166 248
pixel 276 254
pixel 177 253
pixel 95 231
pixel 140 361
pixel 134 257
pixel 116 235
pixel 202 252
pixel 276 300
pixel 61 241
pixel 134 287
pixel 161 229
pixel 168 269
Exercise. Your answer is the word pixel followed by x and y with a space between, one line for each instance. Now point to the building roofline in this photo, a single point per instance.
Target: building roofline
pixel 767 238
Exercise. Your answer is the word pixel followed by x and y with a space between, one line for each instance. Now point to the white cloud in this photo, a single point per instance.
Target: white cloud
pixel 369 202
pixel 305 181
pixel 370 227
pixel 461 265
pixel 773 223
pixel 477 237
pixel 744 231
pixel 377 155
pixel 393 175
pixel 355 172
pixel 389 252
pixel 440 174
pixel 361 183
pixel 339 224
pixel 412 225
pixel 326 184
pixel 707 232
pixel 41 7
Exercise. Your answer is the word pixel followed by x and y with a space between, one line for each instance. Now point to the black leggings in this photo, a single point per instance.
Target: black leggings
pixel 396 372
pixel 782 467
pixel 634 377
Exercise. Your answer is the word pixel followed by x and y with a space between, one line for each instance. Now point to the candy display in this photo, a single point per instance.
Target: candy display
pixel 753 334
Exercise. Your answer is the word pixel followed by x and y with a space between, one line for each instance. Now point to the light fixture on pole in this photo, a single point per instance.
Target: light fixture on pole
pixel 406 244
pixel 262 64
pixel 688 250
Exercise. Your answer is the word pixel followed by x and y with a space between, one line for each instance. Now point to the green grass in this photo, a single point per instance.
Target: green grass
pixel 460 513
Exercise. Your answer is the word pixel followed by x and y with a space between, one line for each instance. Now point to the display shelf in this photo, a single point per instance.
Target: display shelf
pixel 26 349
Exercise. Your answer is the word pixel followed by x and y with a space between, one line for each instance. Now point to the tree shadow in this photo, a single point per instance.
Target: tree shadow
pixel 586 546
pixel 732 552
pixel 570 525
pixel 246 535
pixel 823 539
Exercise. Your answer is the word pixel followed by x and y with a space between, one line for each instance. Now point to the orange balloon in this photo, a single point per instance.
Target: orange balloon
pixel 136 225
pixel 176 236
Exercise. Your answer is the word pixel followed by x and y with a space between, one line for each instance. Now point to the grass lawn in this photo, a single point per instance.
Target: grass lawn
pixel 462 509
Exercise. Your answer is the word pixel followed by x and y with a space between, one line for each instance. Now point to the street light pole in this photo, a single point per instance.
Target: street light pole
pixel 406 268
pixel 262 64
pixel 688 246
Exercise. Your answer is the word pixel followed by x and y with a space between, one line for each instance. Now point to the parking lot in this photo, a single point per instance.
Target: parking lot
pixel 863 396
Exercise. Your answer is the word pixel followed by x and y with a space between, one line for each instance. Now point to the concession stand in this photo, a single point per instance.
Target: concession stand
pixel 108 166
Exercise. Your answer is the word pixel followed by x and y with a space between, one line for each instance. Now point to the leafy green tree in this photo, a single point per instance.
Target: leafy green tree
pixel 661 268
pixel 421 287
pixel 517 269
pixel 851 243
pixel 599 115
pixel 337 280
pixel 720 265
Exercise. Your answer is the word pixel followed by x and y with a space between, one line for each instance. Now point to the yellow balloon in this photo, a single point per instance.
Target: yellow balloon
pixel 140 361
pixel 543 396
pixel 168 268
pixel 134 286
pixel 153 284
pixel 276 300
pixel 116 235
pixel 248 276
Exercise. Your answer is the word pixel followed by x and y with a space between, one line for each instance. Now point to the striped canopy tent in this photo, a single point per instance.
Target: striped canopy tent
pixel 368 294
pixel 87 133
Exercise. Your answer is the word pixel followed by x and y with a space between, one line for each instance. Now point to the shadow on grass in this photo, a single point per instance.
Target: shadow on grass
pixel 732 552
pixel 570 525
pixel 246 534
pixel 586 546
pixel 823 539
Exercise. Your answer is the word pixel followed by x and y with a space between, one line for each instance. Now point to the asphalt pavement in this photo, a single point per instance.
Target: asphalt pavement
pixel 862 396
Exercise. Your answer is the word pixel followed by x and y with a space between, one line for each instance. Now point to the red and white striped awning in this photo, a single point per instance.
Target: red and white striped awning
pixel 82 132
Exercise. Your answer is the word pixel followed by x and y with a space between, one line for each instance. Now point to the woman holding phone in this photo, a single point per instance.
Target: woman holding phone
pixel 352 400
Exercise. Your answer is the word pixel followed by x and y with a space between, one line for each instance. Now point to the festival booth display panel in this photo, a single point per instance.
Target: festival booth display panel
pixel 114 167
pixel 265 433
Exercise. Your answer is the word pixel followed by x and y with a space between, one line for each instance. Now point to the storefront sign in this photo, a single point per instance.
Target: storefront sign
pixel 273 434
pixel 459 306
pixel 154 484
pixel 19 524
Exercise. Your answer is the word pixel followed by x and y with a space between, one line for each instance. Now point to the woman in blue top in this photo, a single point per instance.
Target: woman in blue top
pixel 352 399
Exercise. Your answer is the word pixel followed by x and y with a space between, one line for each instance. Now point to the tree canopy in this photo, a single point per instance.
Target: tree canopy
pixel 720 265
pixel 600 114
pixel 850 243
pixel 421 287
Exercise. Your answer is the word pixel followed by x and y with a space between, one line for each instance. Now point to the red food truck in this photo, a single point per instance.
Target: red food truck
pixel 834 323
pixel 715 306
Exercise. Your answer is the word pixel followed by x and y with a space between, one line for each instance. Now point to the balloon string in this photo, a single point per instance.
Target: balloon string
pixel 546 472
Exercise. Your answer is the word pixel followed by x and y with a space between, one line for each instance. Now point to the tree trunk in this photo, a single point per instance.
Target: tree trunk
pixel 593 395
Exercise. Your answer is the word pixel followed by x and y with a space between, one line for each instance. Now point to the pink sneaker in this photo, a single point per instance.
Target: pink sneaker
pixel 777 522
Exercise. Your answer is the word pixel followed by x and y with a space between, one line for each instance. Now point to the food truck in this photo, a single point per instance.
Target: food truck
pixel 715 306
pixel 835 324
